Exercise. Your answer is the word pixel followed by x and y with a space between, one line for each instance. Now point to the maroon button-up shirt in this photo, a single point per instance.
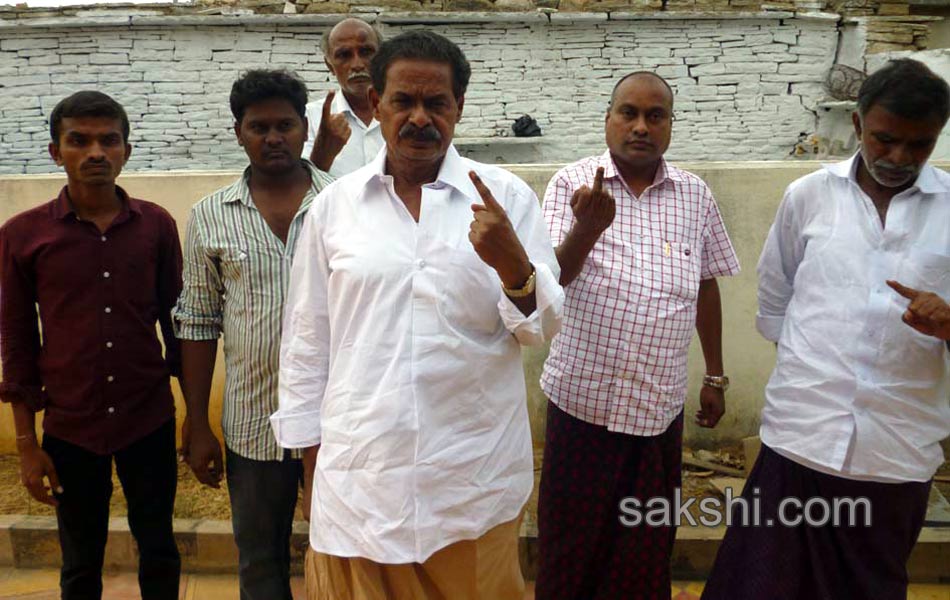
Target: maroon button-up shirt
pixel 97 366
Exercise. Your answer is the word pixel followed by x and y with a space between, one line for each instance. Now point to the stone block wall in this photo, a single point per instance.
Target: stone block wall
pixel 746 88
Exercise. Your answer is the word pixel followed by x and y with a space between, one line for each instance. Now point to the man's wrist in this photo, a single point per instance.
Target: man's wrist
pixel 719 382
pixel 26 441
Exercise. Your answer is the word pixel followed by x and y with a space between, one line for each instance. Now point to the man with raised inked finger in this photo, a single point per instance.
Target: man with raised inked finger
pixel 238 249
pixel 343 135
pixel 858 402
pixel 640 244
pixel 417 280
pixel 84 279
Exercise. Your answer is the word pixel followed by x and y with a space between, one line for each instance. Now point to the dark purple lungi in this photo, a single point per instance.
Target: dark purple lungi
pixel 819 562
pixel 585 551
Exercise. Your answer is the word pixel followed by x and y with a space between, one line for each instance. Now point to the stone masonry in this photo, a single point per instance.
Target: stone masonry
pixel 746 88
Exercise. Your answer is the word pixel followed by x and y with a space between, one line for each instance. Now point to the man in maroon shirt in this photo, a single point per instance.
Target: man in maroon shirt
pixel 102 268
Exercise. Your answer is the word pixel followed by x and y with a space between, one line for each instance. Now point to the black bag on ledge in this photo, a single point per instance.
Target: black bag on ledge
pixel 526 126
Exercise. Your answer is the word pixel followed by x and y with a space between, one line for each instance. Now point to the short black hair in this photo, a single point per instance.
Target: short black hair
pixel 906 88
pixel 421 45
pixel 258 85
pixel 87 103
pixel 325 38
pixel 613 92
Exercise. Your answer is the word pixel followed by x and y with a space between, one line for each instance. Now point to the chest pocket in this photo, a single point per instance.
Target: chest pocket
pixel 671 269
pixel 927 271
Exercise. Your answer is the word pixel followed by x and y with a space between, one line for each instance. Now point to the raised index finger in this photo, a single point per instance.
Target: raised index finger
pixel 483 191
pixel 327 103
pixel 903 290
pixel 598 181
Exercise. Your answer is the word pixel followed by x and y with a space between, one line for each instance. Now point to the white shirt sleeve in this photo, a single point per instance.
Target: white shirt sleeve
pixel 305 342
pixel 314 115
pixel 778 264
pixel 545 322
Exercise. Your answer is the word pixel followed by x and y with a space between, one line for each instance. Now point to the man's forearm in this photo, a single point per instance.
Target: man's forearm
pixel 197 366
pixel 24 422
pixel 709 325
pixel 572 253
pixel 322 157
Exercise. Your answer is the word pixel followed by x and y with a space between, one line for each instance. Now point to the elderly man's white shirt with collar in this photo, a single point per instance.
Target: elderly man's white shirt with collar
pixel 855 391
pixel 401 357
pixel 365 140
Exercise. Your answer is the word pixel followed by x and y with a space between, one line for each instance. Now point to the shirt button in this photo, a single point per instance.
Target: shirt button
pixel 105 274
pixel 111 409
pixel 108 344
pixel 108 309
pixel 103 238
pixel 110 378
pixel 422 264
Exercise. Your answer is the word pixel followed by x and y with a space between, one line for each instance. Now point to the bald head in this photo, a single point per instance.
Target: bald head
pixel 642 78
pixel 348 49
pixel 345 28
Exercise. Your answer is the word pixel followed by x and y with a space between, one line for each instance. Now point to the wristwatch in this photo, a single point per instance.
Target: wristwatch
pixel 720 382
pixel 526 290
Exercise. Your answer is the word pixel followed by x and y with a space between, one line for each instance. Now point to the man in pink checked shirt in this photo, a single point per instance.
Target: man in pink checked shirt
pixel 640 244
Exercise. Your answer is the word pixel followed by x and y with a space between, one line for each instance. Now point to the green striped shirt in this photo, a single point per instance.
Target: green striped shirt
pixel 235 278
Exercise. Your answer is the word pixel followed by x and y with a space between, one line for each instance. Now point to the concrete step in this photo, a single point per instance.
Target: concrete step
pixel 207 546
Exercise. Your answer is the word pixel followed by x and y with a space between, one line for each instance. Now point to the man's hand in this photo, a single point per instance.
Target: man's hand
pixel 185 439
pixel 927 312
pixel 712 405
pixel 332 135
pixel 204 455
pixel 309 460
pixel 35 465
pixel 593 209
pixel 495 240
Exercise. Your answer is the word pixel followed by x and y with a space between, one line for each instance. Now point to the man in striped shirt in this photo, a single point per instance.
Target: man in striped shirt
pixel 238 250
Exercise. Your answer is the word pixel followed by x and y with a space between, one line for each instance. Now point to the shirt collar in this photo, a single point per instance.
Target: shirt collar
pixel 453 172
pixel 63 208
pixel 926 183
pixel 664 172
pixel 340 104
pixel 242 192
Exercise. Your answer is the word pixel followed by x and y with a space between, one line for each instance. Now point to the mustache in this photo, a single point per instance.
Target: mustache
pixel 424 134
pixel 886 165
pixel 357 75
pixel 94 164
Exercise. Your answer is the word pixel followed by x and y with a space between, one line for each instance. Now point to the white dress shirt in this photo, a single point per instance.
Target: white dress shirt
pixel 362 147
pixel 856 392
pixel 401 357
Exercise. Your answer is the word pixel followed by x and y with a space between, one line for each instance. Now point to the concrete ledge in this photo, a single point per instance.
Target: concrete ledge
pixel 207 546
pixel 403 18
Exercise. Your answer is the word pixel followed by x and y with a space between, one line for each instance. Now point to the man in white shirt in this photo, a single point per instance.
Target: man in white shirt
pixel 343 135
pixel 852 287
pixel 418 278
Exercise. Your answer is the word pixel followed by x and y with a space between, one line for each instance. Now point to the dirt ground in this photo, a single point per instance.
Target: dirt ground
pixel 195 501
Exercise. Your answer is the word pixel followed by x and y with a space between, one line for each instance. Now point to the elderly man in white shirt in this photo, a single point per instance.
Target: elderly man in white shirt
pixel 852 287
pixel 416 281
pixel 342 133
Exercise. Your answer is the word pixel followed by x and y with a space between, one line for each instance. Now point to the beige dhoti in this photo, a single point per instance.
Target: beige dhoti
pixel 486 568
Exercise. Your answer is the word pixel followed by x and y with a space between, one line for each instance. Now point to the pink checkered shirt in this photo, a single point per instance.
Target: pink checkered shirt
pixel 620 359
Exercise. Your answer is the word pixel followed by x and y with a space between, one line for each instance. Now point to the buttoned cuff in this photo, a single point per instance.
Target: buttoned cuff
pixel 297 430
pixel 542 324
pixel 769 327
pixel 196 329
pixel 32 396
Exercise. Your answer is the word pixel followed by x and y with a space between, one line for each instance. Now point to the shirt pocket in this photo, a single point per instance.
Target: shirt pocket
pixel 233 265
pixel 927 271
pixel 671 269
pixel 471 294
